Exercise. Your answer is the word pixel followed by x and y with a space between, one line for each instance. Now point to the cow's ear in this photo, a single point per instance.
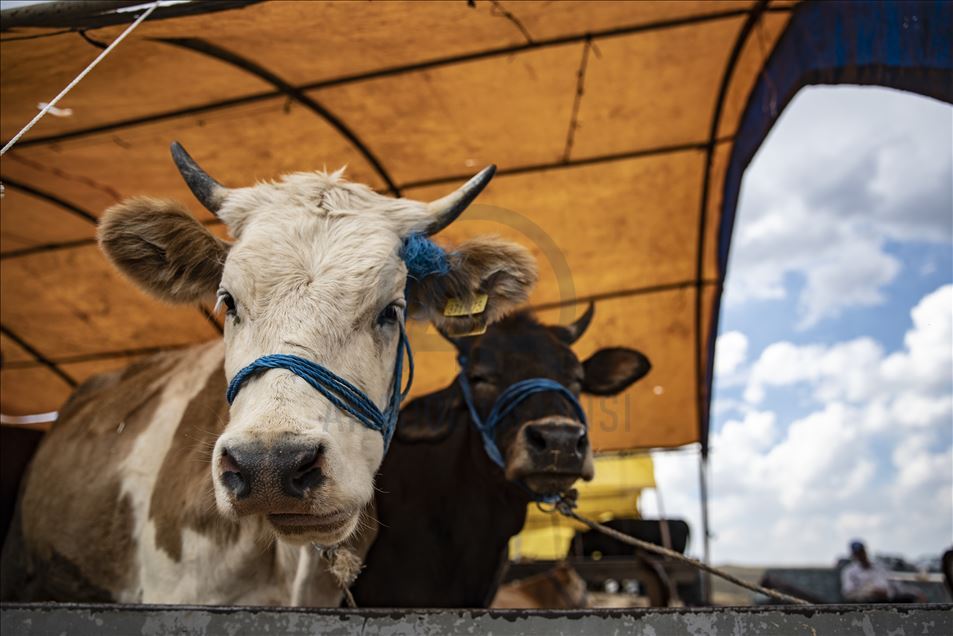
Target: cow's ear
pixel 427 420
pixel 163 249
pixel 609 371
pixel 502 271
pixel 463 344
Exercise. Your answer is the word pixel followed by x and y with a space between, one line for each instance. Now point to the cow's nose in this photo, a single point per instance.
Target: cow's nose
pixel 560 438
pixel 295 467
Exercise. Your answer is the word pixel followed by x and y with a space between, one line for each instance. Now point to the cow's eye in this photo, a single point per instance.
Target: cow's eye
pixel 576 384
pixel 227 301
pixel 391 314
pixel 481 379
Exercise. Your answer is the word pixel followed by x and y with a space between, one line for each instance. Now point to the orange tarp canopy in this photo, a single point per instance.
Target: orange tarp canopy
pixel 606 120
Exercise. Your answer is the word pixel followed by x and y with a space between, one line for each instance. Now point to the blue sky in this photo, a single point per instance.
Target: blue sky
pixel 833 405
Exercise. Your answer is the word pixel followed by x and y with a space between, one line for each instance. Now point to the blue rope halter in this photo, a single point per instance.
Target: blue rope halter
pixel 423 258
pixel 339 392
pixel 508 400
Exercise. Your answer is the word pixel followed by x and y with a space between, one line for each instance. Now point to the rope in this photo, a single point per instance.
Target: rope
pixel 565 507
pixel 505 403
pixel 508 400
pixel 343 564
pixel 423 257
pixel 79 78
pixel 341 393
pixel 349 598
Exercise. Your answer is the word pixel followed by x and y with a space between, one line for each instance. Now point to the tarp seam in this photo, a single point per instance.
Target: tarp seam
pixel 396 70
pixel 208 49
pixel 50 198
pixel 573 163
pixel 40 358
pixel 516 170
pixel 125 353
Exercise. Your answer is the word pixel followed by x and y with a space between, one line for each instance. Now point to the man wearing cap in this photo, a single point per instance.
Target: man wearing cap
pixel 865 582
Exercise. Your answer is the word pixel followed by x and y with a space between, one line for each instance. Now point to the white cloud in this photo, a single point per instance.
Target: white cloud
pixel 926 362
pixel 913 410
pixel 918 466
pixel 846 370
pixel 857 371
pixel 845 170
pixel 797 492
pixel 848 275
pixel 731 351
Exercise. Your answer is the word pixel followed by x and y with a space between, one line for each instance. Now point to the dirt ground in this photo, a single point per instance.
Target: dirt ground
pixel 725 593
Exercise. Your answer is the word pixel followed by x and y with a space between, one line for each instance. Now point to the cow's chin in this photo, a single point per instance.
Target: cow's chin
pixel 322 529
pixel 547 480
pixel 544 483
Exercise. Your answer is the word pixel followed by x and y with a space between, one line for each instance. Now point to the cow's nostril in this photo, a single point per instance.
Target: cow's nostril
pixel 232 476
pixel 228 462
pixel 236 483
pixel 307 461
pixel 307 474
pixel 535 438
pixel 582 444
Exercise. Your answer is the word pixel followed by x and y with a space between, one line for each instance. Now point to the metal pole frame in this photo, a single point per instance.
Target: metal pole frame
pixel 706 534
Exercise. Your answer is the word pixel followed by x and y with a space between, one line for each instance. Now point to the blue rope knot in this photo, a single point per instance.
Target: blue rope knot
pixel 423 257
pixel 508 400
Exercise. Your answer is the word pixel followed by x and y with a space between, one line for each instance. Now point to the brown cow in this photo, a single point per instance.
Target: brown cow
pixel 446 510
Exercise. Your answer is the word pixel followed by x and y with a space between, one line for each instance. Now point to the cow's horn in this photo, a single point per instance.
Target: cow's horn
pixel 207 190
pixel 446 209
pixel 575 330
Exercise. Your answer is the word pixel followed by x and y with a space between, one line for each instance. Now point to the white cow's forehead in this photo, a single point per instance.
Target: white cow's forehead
pixel 320 193
pixel 307 241
pixel 342 264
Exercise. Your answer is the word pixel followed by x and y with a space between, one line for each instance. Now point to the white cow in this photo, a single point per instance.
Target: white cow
pixel 150 487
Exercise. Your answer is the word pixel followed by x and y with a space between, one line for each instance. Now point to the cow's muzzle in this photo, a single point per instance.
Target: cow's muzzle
pixel 550 454
pixel 258 477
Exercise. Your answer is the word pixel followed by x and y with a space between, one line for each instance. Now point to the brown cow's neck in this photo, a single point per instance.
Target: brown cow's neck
pixel 444 505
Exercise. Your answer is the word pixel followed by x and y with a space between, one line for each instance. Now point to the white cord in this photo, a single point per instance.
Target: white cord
pixel 662 519
pixel 69 87
pixel 27 420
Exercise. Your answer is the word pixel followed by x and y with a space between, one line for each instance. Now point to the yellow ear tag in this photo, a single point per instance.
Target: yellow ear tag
pixel 479 331
pixel 457 307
